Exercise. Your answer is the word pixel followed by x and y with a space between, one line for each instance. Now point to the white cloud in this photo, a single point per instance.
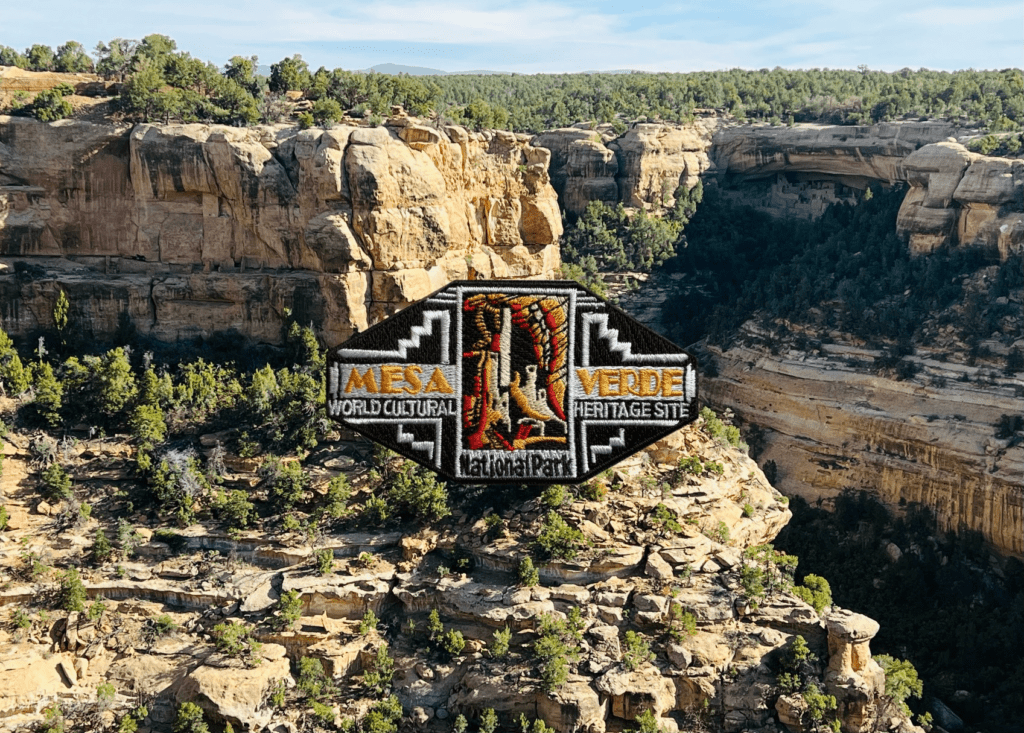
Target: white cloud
pixel 551 35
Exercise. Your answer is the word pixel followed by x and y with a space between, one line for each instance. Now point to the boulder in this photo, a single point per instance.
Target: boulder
pixel 630 693
pixel 657 568
pixel 574 707
pixel 233 693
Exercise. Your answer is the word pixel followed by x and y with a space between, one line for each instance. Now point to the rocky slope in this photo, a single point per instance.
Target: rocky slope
pixel 191 230
pixel 153 640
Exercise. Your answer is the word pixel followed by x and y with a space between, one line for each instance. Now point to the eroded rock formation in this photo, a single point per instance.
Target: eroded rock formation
pixel 643 167
pixel 933 440
pixel 191 230
pixel 962 198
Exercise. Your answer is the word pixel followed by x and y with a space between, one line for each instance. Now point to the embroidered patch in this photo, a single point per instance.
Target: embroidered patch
pixel 512 382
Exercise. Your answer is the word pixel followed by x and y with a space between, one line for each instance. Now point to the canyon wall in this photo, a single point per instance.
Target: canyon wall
pixel 955 197
pixel 191 230
pixel 831 426
pixel 643 167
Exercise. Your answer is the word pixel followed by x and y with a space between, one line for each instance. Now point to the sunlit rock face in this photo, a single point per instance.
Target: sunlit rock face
pixel 832 427
pixel 191 230
pixel 962 198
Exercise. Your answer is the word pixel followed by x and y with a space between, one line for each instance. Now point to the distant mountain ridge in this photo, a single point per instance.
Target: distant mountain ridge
pixel 426 71
pixel 396 69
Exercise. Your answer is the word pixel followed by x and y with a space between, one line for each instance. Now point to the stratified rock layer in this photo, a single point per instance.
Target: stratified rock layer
pixel 832 427
pixel 191 230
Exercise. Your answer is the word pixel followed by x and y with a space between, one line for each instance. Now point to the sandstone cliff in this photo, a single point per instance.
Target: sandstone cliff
pixel 833 425
pixel 962 198
pixel 643 167
pixel 190 230
pixel 955 196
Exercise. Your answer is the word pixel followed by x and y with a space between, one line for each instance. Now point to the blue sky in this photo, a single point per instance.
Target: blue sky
pixel 533 36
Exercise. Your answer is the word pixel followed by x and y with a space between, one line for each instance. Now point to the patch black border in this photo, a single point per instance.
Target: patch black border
pixel 410 316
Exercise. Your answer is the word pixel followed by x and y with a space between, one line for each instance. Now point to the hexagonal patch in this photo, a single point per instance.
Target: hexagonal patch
pixel 512 382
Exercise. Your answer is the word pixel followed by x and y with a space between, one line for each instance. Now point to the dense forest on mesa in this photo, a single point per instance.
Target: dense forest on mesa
pixel 161 83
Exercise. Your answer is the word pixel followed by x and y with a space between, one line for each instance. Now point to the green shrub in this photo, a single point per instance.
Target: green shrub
pixel 147 425
pixel 335 504
pixel 381 672
pixel 415 492
pixel 494 526
pixel 901 680
pixel 500 643
pixel 179 485
pixel 326 110
pixel 305 120
pixel 376 510
pixel 488 721
pixel 4 516
pixel 105 694
pixel 190 719
pixel 721 432
pixel 50 105
pixel 681 623
pixel 324 560
pixel 648 723
pixel 71 593
pixel 748 510
pixel 453 642
pixel 164 624
pixel 691 465
pixel 798 655
pixel 14 378
pixel 815 592
pixel 527 573
pixel 593 490
pixel 234 508
pixel 286 482
pixel 718 533
pixel 312 681
pixel 555 497
pixel 788 682
pixel 368 623
pixel 278 694
pixel 818 703
pixel 96 610
pixel 235 640
pixel 461 725
pixel 557 645
pixel 665 519
pixel 56 482
pixel 49 395
pixel 558 540
pixel 434 626
pixel 323 713
pixel 102 551
pixel 383 717
pixel 636 651
pixel 289 609
pixel 53 719
pixel 21 619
